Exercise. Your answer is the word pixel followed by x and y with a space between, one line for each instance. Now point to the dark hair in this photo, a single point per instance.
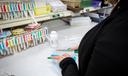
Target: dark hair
pixel 103 3
pixel 121 6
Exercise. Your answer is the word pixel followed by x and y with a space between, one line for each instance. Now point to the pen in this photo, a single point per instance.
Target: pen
pixel 69 49
pixel 50 58
pixel 57 55
pixel 33 38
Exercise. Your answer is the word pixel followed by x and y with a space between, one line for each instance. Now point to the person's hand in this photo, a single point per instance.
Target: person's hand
pixel 60 58
pixel 75 47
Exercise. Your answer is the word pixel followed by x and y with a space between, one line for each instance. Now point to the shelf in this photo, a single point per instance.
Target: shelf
pixel 92 9
pixel 22 21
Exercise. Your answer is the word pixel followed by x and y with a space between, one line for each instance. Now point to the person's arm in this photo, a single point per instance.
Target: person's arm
pixel 69 67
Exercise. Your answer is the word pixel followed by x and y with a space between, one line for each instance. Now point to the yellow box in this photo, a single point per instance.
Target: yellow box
pixel 42 10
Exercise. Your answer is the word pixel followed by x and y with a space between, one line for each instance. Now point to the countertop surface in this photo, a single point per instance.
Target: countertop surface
pixel 34 62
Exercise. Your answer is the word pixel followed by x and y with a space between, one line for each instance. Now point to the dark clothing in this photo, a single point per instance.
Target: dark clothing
pixel 103 51
pixel 103 3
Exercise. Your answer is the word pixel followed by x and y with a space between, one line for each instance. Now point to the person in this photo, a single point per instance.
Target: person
pixel 103 51
pixel 104 3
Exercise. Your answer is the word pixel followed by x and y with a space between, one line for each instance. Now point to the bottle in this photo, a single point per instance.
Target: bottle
pixel 53 39
pixel 46 34
pixel 46 30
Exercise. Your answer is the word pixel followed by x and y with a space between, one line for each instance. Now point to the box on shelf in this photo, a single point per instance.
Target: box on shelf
pixel 73 5
pixel 18 31
pixel 85 3
pixel 57 5
pixel 42 10
pixel 32 27
pixel 39 3
pixel 5 34
pixel 96 3
pixel 90 3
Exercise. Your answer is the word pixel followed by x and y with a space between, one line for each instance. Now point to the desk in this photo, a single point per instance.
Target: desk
pixel 34 62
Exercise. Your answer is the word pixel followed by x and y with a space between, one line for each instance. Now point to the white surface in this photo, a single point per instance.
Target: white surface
pixel 91 9
pixel 81 21
pixel 34 62
pixel 94 15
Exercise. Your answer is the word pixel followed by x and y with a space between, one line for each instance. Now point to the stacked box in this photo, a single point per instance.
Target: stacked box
pixel 57 5
pixel 96 3
pixel 85 3
pixel 72 3
pixel 42 10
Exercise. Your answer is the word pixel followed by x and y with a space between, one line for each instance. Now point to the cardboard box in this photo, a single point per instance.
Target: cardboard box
pixel 72 3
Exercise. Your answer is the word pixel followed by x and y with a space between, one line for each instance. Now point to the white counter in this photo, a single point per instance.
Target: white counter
pixel 34 62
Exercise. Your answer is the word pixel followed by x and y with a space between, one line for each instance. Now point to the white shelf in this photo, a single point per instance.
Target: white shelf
pixel 91 9
pixel 22 21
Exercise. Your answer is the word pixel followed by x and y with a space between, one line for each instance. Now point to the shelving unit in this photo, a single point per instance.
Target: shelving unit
pixel 13 44
pixel 93 9
pixel 13 47
pixel 22 21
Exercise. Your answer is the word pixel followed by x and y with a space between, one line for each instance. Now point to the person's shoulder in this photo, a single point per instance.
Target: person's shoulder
pixel 124 14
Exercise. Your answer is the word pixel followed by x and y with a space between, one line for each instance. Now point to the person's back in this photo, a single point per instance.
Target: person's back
pixel 103 50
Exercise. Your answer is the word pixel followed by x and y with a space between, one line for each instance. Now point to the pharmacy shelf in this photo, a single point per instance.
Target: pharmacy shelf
pixel 93 9
pixel 23 21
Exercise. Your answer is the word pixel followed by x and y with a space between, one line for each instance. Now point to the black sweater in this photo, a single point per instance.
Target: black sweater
pixel 103 51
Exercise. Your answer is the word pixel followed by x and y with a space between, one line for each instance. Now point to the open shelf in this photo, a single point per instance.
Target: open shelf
pixel 22 21
pixel 93 9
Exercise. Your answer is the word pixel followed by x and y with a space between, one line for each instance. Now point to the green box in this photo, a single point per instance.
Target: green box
pixel 85 3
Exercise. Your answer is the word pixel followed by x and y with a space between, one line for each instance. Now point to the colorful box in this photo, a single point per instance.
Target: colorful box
pixel 85 3
pixel 42 10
